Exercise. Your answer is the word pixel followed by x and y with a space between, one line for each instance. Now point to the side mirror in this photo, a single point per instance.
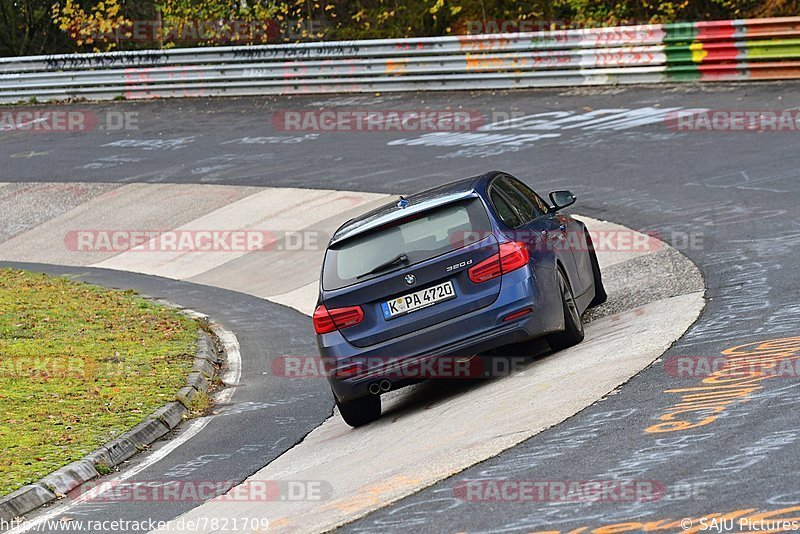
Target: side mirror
pixel 561 199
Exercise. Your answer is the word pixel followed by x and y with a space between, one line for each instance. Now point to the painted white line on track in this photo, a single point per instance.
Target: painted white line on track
pixel 247 274
pixel 22 125
pixel 230 377
pixel 412 448
pixel 112 483
pixel 233 373
pixel 420 442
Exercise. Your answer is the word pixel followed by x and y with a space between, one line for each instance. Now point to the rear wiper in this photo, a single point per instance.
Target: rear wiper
pixel 402 258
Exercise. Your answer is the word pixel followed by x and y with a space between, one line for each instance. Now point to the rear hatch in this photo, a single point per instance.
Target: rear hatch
pixel 440 245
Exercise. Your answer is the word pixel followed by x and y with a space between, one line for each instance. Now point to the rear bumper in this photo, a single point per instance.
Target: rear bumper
pixel 419 355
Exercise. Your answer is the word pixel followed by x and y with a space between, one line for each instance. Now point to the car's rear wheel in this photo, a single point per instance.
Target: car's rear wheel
pixel 600 295
pixel 573 326
pixel 361 411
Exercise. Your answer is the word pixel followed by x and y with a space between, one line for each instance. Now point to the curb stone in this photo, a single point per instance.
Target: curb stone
pixel 198 381
pixel 118 450
pixel 69 477
pixel 186 395
pixel 208 357
pixel 170 414
pixel 146 432
pixel 206 349
pixel 24 500
pixel 204 367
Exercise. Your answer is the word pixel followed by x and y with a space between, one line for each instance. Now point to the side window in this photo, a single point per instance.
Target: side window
pixel 519 203
pixel 503 209
pixel 538 204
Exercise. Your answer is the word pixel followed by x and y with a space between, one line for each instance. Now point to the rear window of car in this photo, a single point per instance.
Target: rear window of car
pixel 421 237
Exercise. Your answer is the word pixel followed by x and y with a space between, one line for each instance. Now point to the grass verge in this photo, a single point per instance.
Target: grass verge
pixel 79 365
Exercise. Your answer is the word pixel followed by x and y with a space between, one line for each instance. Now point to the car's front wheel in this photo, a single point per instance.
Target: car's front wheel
pixel 361 411
pixel 573 326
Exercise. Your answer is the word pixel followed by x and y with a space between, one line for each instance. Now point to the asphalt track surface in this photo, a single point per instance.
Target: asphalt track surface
pixel 268 417
pixel 727 200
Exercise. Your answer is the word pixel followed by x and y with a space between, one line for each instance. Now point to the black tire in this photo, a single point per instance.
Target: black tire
pixel 361 411
pixel 573 326
pixel 600 295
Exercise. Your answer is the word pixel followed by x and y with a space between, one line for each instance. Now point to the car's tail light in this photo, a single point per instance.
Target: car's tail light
pixel 326 320
pixel 511 256
pixel 486 270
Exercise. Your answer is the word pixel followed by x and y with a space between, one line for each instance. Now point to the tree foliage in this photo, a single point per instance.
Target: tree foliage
pixel 27 28
pixel 52 26
pixel 102 27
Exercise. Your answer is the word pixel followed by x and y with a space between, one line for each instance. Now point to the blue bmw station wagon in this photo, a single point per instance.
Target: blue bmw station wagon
pixel 446 273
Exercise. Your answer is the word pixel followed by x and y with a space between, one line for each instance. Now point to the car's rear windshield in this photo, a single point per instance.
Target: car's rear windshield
pixel 421 237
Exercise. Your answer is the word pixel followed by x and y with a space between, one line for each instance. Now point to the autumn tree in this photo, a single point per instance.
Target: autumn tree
pixel 100 28
pixel 58 26
pixel 26 28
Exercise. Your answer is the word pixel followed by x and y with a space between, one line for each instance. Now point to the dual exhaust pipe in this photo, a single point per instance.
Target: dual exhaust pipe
pixel 376 388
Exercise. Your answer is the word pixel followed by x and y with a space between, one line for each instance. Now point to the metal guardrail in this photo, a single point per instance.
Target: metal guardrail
pixel 701 51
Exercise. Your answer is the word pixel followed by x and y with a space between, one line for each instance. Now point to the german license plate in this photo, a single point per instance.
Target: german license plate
pixel 418 300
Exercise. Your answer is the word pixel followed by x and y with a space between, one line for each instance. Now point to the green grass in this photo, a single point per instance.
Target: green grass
pixel 79 365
